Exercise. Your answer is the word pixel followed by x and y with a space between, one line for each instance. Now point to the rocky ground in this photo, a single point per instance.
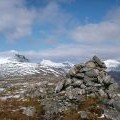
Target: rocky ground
pixel 87 92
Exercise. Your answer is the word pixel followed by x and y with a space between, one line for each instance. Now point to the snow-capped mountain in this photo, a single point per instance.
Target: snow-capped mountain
pixel 112 65
pixel 18 65
pixel 20 58
pixel 49 63
pixel 113 68
pixel 12 67
pixel 54 67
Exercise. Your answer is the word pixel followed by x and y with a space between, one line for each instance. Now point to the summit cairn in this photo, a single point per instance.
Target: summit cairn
pixel 89 79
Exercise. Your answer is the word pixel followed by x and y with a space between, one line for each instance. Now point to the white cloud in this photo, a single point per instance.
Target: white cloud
pixel 15 19
pixel 108 29
pixel 73 52
pixel 53 14
pixel 83 51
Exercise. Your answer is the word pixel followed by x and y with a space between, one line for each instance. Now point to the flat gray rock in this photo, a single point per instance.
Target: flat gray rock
pixel 90 64
pixel 79 75
pixel 92 73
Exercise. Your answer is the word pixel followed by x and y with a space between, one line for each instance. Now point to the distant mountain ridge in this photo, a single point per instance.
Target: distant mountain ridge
pixel 19 65
pixel 49 63
pixel 112 65
pixel 113 68
pixel 21 58
pixel 12 67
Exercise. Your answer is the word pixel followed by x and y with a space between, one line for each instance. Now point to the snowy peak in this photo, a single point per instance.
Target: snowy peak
pixel 112 65
pixel 67 63
pixel 13 67
pixel 19 66
pixel 14 57
pixel 21 58
pixel 4 60
pixel 49 63
pixel 16 65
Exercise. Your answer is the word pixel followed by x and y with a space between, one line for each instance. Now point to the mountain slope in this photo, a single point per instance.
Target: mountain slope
pixel 14 68
pixel 19 65
pixel 112 65
pixel 113 68
pixel 49 63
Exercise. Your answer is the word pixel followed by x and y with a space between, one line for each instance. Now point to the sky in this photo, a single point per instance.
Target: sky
pixel 60 30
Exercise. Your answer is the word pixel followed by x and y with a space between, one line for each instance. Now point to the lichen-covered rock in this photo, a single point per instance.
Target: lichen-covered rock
pixel 78 66
pixel 77 83
pixel 79 75
pixel 60 86
pixel 113 87
pixel 112 114
pixel 98 61
pixel 34 90
pixel 108 80
pixel 92 73
pixel 90 64
pixel 90 83
pixel 84 115
pixel 87 79
pixel 83 86
pixel 69 93
pixel 85 69
pixel 102 93
pixel 68 82
pixel 72 72
pixel 116 103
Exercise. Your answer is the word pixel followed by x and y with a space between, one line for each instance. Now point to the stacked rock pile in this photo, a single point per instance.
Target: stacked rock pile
pixel 89 79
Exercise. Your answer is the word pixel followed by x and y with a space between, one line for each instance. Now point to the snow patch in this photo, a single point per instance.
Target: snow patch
pixel 111 63
pixel 2 89
pixel 4 60
pixel 10 67
pixel 8 97
pixel 48 63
